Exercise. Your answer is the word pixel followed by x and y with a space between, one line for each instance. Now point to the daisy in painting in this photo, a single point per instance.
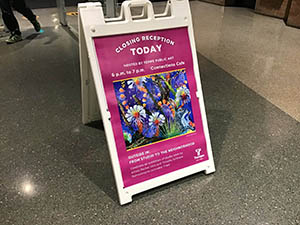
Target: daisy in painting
pixel 156 120
pixel 135 115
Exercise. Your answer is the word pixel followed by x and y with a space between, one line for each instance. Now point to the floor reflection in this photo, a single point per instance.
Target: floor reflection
pixel 27 187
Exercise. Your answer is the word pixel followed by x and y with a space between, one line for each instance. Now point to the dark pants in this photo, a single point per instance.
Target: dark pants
pixel 8 15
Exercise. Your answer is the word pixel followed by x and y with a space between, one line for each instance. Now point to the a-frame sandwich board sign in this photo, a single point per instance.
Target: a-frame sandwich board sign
pixel 140 73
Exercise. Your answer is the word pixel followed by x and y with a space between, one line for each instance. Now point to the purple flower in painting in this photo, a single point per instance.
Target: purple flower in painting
pixel 153 89
pixel 167 111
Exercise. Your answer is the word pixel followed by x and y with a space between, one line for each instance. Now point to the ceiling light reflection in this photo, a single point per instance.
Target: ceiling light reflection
pixel 28 188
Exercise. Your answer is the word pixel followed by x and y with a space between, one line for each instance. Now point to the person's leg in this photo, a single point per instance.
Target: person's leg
pixel 22 8
pixel 11 22
pixel 8 17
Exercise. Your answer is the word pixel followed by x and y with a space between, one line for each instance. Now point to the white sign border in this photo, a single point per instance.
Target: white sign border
pixel 92 24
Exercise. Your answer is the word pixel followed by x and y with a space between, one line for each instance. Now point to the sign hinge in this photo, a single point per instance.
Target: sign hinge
pixel 108 114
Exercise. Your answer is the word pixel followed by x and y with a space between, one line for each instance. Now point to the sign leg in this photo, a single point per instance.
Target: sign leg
pixel 210 169
pixel 125 198
pixel 90 106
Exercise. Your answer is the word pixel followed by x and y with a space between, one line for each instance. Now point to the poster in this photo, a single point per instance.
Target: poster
pixel 150 89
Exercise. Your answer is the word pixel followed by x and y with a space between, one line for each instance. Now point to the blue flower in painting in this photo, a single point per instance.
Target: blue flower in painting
pixel 122 94
pixel 167 111
pixel 148 103
pixel 153 89
pixel 149 131
pixel 168 108
pixel 179 80
pixel 185 122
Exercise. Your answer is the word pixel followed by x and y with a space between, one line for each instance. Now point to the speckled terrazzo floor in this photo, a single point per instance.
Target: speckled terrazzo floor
pixel 54 170
pixel 260 51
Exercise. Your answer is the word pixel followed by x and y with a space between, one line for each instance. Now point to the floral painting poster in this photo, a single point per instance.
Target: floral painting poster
pixel 150 89
pixel 154 108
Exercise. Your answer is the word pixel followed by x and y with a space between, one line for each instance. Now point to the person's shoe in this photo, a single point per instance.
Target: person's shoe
pixel 36 25
pixel 14 38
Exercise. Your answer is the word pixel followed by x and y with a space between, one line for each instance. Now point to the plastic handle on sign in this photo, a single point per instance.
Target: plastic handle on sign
pixel 147 8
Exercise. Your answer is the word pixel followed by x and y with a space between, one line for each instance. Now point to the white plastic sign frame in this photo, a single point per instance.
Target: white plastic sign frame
pixel 92 24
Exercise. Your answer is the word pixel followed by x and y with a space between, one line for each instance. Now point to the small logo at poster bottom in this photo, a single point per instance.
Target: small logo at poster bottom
pixel 198 152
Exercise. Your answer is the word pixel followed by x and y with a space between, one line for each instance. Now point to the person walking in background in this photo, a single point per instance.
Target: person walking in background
pixel 10 20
